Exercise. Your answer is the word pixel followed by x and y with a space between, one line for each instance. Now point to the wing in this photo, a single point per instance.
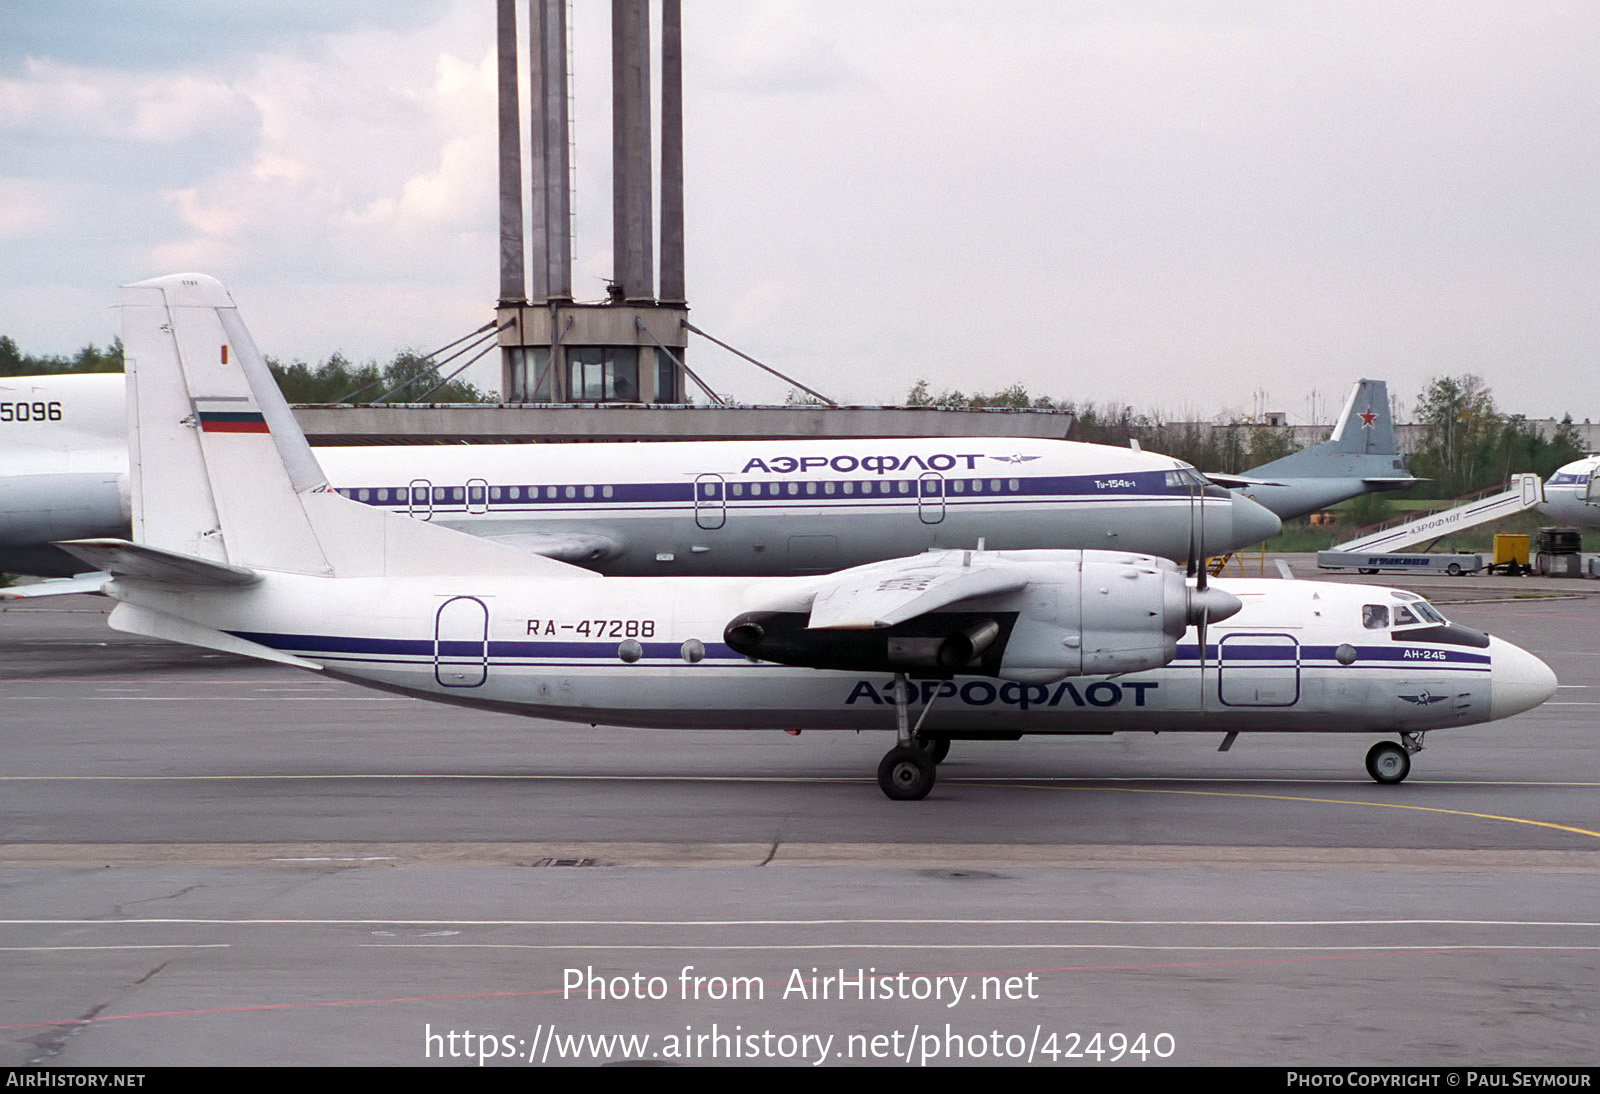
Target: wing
pixel 879 596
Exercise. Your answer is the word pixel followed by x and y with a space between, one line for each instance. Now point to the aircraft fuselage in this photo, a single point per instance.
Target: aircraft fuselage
pixel 1300 656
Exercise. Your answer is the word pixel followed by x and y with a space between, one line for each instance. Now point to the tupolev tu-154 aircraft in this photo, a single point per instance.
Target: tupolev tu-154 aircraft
pixel 239 544
pixel 679 507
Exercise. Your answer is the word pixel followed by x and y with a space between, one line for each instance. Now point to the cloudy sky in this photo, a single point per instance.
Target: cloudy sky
pixel 1195 208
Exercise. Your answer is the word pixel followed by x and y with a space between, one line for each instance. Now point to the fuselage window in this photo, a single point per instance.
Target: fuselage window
pixel 849 488
pixel 905 486
pixel 827 488
pixel 363 495
pixel 494 493
pixel 738 490
pixel 1015 485
pixel 588 491
pixel 383 495
pixel 977 485
pixel 455 493
pixel 994 486
pixel 438 493
pixel 959 486
pixel 550 493
pixel 755 490
pixel 572 491
pixel 1374 617
pixel 606 491
pixel 811 488
pixel 794 488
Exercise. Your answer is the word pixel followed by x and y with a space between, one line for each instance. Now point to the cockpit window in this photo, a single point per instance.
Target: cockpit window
pixel 1427 611
pixel 1402 615
pixel 1374 617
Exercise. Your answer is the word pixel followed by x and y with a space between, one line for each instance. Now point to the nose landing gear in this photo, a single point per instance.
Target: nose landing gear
pixel 1390 763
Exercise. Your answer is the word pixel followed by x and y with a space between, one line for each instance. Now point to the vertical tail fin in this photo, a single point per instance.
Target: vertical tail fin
pixel 221 471
pixel 1366 426
pixel 216 469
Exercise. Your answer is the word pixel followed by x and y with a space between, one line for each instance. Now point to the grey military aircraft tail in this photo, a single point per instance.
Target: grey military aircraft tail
pixel 1360 457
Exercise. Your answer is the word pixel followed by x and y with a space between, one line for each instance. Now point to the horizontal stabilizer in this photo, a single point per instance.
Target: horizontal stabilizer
pixel 133 619
pixel 874 597
pixel 579 548
pixel 120 558
pixel 1235 482
pixel 61 586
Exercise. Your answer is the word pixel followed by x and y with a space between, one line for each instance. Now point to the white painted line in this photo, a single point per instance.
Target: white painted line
pixel 1419 948
pixel 151 946
pixel 830 922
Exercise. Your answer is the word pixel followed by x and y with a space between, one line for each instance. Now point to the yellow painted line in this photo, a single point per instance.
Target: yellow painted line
pixel 1322 801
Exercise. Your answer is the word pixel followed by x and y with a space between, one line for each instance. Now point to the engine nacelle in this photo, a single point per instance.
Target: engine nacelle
pixel 938 644
pixel 1081 613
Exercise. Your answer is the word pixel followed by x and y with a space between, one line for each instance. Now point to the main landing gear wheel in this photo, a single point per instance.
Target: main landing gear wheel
pixel 1388 763
pixel 906 774
pixel 935 748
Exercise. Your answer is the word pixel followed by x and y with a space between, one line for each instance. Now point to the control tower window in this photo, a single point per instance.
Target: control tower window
pixel 603 374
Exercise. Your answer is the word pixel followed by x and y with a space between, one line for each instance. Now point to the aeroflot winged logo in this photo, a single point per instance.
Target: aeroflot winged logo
pixel 1424 698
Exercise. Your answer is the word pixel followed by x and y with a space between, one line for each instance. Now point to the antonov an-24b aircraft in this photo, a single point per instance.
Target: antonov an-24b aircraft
pixel 668 508
pixel 239 544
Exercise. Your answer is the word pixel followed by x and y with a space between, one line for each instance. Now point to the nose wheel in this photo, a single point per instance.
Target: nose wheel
pixel 1388 763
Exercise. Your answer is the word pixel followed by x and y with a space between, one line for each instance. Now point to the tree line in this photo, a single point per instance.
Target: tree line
pixel 1467 444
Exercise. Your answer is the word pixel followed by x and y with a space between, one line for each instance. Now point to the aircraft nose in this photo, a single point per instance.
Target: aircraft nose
pixel 1253 522
pixel 1518 680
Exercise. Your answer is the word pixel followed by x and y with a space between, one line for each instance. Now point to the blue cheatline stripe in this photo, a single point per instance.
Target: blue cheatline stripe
pixel 343 647
pixel 398 648
pixel 1148 486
